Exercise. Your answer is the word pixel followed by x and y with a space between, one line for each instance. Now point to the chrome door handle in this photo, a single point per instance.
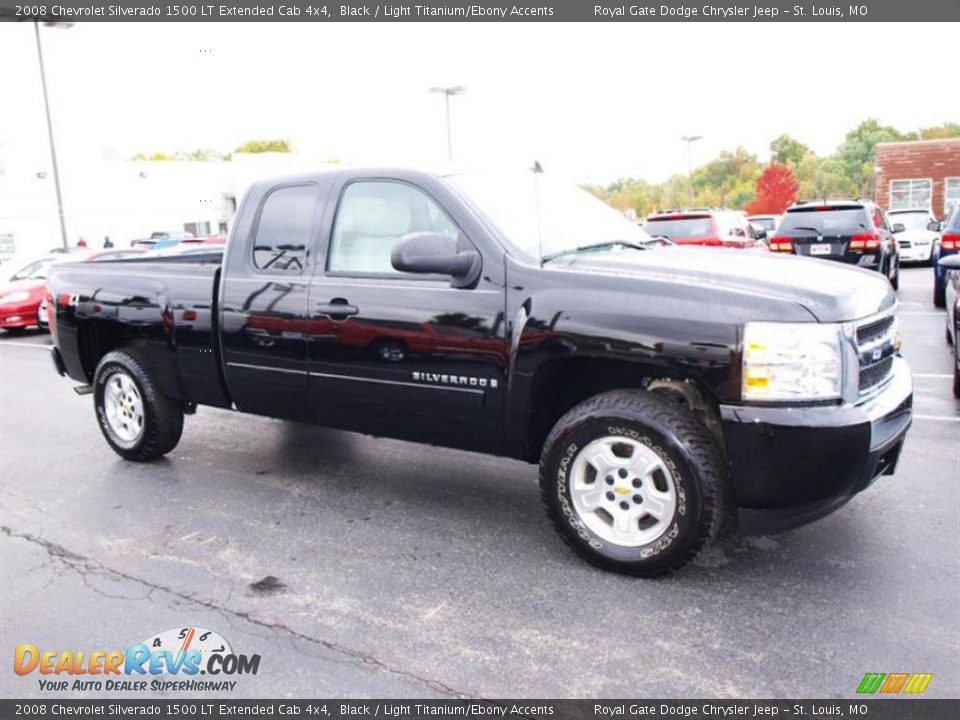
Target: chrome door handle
pixel 337 308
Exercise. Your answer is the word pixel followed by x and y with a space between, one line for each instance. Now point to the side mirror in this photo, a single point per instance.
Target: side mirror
pixel 435 254
pixel 898 228
pixel 933 226
pixel 950 262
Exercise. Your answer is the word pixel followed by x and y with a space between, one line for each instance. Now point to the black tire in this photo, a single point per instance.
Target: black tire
pixel 162 423
pixel 946 333
pixel 685 447
pixel 939 296
pixel 13 332
pixel 895 281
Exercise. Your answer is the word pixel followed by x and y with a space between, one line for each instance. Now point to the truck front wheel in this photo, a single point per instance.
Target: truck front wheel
pixel 139 422
pixel 633 483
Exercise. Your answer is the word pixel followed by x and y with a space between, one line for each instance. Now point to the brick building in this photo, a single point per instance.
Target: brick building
pixel 918 173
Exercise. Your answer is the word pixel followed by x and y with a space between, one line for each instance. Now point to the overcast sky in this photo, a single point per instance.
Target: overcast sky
pixel 593 101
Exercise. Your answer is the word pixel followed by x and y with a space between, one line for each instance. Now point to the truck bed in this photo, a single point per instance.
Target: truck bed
pixel 168 304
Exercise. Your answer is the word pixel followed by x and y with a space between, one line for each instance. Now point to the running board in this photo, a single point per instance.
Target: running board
pixel 83 389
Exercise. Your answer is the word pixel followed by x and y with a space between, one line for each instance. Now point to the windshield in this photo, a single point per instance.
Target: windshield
pixel 767 223
pixel 910 221
pixel 543 216
pixel 675 228
pixel 34 271
pixel 825 222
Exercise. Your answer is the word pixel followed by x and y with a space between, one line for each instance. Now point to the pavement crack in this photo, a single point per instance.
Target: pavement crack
pixel 85 566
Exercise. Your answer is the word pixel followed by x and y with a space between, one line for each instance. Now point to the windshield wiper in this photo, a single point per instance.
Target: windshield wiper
pixel 820 232
pixel 594 246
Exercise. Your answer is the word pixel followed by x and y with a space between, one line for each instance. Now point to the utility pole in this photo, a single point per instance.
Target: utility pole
pixel 447 92
pixel 690 140
pixel 53 147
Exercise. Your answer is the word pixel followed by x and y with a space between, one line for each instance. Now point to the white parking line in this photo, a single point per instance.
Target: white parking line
pixel 938 418
pixel 943 376
pixel 23 344
pixel 938 314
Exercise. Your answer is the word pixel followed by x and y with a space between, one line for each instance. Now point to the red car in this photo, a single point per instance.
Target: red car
pixel 709 226
pixel 23 295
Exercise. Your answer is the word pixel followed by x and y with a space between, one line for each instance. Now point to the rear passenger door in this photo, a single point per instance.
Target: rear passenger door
pixel 399 354
pixel 263 310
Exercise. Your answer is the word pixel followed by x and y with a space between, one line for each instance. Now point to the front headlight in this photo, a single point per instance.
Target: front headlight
pixel 798 362
pixel 14 297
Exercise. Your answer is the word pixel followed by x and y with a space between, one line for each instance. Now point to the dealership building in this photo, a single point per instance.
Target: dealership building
pixel 918 173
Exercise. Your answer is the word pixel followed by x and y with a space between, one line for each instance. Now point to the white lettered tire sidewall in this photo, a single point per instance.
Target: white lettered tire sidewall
pixel 678 438
pixel 687 505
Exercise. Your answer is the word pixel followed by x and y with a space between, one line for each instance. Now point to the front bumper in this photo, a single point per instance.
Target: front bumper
pixel 792 465
pixel 19 315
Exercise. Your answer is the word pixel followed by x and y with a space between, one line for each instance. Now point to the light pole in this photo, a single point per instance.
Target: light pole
pixel 690 140
pixel 53 147
pixel 447 92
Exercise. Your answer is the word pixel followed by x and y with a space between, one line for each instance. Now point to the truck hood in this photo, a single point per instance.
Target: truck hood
pixel 830 291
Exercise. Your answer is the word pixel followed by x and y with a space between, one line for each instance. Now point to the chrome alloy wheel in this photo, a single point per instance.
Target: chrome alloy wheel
pixel 123 408
pixel 623 491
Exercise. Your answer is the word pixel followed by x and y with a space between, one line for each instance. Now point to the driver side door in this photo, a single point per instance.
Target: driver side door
pixel 401 354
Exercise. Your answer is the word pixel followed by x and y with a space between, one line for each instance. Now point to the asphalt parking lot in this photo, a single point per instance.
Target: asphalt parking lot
pixel 407 571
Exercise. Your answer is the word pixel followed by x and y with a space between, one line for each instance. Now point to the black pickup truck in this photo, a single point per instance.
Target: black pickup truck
pixel 666 392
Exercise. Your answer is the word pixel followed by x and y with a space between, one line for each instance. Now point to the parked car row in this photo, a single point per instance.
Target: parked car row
pixel 855 232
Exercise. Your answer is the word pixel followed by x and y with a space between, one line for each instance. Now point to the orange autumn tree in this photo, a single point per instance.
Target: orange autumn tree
pixel 777 189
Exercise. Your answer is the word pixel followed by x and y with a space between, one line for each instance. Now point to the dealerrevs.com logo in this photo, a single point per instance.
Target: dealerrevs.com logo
pixel 172 660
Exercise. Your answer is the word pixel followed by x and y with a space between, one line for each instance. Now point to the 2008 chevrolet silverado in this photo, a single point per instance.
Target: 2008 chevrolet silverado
pixel 664 391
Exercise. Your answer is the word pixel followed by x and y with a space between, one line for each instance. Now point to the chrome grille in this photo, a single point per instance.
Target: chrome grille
pixel 874 375
pixel 876 345
pixel 873 329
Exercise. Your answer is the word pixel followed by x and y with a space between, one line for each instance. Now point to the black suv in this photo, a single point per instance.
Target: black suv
pixel 855 232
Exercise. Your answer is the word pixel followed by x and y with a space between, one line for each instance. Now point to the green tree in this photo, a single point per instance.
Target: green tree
pixel 262 146
pixel 940 132
pixel 788 150
pixel 858 152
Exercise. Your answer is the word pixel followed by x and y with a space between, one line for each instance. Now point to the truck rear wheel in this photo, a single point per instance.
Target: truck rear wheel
pixel 138 421
pixel 633 483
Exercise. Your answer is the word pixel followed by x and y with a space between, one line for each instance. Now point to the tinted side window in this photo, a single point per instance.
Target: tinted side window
pixel 283 231
pixel 373 216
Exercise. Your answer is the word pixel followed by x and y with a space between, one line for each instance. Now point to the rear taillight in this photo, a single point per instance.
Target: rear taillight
pixel 950 241
pixel 868 241
pixel 778 243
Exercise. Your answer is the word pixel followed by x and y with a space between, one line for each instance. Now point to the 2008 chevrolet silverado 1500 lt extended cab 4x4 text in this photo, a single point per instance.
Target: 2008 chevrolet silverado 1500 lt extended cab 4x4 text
pixel 662 390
